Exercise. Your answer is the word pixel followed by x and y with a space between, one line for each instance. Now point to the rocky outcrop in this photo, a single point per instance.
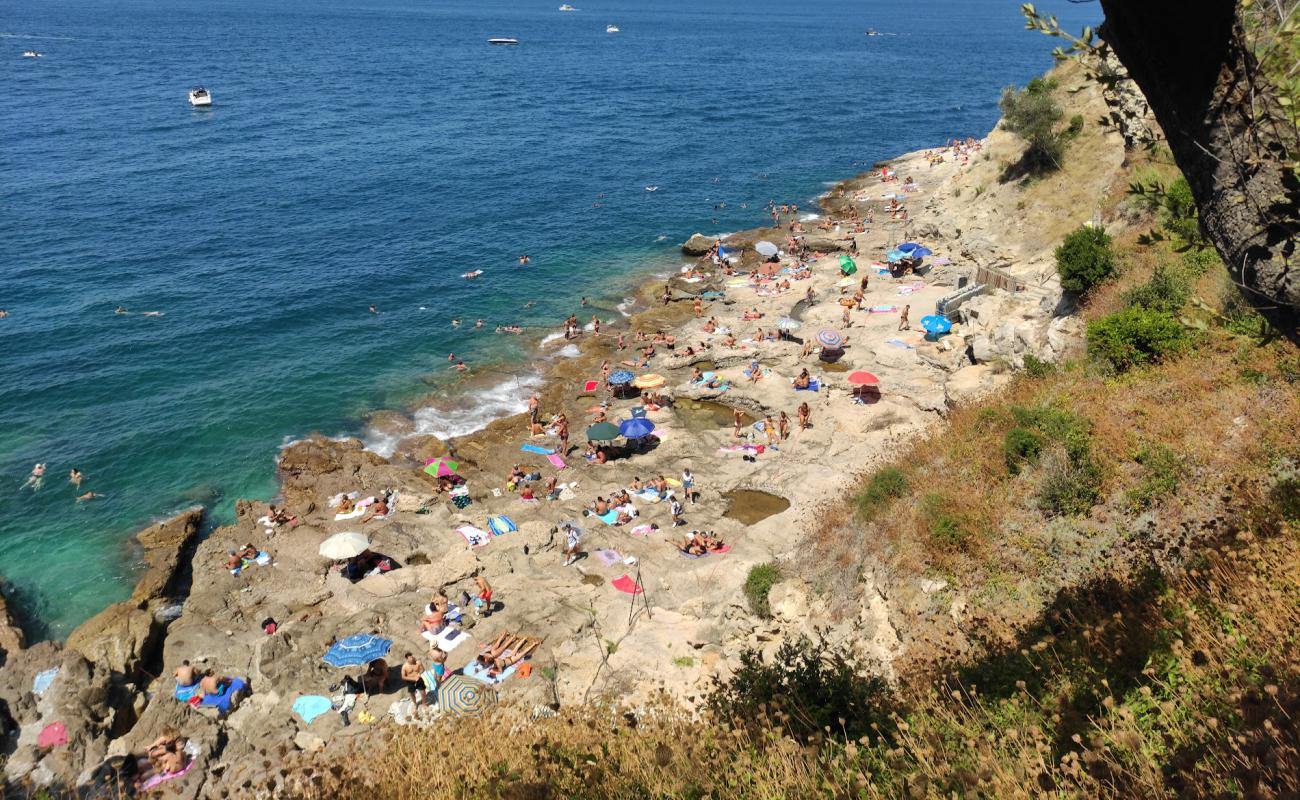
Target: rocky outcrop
pixel 11 635
pixel 827 244
pixel 699 245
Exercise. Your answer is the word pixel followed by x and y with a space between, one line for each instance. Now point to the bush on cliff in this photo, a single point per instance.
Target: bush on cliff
pixel 1032 113
pixel 886 485
pixel 1085 259
pixel 1134 337
pixel 761 579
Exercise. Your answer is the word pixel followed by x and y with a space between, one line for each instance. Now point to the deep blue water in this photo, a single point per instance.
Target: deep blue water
pixel 369 151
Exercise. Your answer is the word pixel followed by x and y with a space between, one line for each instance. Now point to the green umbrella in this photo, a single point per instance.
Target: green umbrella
pixel 603 432
pixel 847 265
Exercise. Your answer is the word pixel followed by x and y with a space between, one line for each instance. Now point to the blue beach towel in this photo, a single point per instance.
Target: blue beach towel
pixel 609 517
pixel 501 525
pixel 184 693
pixel 813 386
pixel 41 683
pixel 532 448
pixel 479 673
pixel 311 706
pixel 222 701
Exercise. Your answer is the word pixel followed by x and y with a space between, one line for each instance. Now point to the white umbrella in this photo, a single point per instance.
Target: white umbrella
pixel 344 545
pixel 767 248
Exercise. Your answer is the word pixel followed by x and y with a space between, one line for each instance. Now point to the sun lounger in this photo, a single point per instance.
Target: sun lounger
pixel 475 537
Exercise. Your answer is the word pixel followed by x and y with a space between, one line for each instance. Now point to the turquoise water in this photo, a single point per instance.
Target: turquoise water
pixel 370 151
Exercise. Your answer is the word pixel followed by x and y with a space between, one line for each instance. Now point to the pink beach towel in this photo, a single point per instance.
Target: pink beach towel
pixel 626 585
pixel 53 735
pixel 642 530
pixel 556 461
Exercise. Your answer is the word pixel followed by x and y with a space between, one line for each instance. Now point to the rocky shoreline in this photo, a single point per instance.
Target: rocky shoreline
pixel 114 685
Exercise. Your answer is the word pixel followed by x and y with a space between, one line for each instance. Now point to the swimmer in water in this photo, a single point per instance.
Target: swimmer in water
pixel 460 366
pixel 374 310
pixel 81 498
pixel 584 301
pixel 35 479
pixel 524 260
pixel 478 324
pixel 3 313
pixel 151 313
pixel 455 323
pixel 120 310
pixel 530 304
pixel 75 477
pixel 451 357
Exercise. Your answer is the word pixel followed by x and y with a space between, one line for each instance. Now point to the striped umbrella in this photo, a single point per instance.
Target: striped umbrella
pixel 621 377
pixel 441 467
pixel 359 648
pixel 829 337
pixel 464 697
pixel 863 379
pixel 650 380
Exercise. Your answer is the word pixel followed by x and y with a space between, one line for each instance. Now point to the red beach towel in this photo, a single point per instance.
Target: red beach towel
pixel 626 585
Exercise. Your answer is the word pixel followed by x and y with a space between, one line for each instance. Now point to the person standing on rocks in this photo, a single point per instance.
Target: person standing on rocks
pixel 805 417
pixel 903 324
pixel 411 671
pixel 571 542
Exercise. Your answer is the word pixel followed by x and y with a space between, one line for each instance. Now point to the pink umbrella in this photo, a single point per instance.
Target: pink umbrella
pixel 863 379
pixel 441 467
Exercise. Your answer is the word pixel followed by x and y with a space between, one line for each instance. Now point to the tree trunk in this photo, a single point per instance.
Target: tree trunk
pixel 1228 135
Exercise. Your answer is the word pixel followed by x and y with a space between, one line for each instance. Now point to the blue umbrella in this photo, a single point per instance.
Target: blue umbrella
pixel 913 250
pixel 357 649
pixel 936 324
pixel 897 255
pixel 636 428
pixel 621 377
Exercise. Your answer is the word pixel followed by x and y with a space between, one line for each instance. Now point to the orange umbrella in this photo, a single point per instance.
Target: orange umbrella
pixel 650 380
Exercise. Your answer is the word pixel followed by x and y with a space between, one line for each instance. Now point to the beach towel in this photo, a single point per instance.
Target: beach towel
pixel 556 461
pixel 899 343
pixel 532 448
pixel 353 514
pixel 627 585
pixel 607 557
pixel 726 548
pixel 643 530
pixel 479 673
pixel 53 735
pixel 590 386
pixel 500 525
pixel 813 386
pixel 882 309
pixel 311 706
pixel 163 777
pixel 41 683
pixel 222 701
pixel 184 693
pixel 448 640
pixel 609 517
pixel 475 537
pixel 648 494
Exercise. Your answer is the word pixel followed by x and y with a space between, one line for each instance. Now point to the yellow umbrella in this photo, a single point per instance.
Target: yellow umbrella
pixel 650 380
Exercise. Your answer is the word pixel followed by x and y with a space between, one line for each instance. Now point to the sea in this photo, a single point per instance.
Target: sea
pixel 367 153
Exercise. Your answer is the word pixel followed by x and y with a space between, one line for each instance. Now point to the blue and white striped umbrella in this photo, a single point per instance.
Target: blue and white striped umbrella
pixel 621 377
pixel 829 337
pixel 357 649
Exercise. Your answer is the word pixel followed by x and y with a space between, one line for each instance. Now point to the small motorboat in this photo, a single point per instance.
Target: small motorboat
pixel 200 97
pixel 611 29
pixel 472 274
pixel 652 188
pixel 567 7
pixel 32 54
pixel 503 41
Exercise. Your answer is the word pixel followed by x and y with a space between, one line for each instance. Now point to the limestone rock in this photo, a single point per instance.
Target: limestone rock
pixel 166 545
pixel 11 636
pixel 827 244
pixel 788 602
pixel 699 245
pixel 117 637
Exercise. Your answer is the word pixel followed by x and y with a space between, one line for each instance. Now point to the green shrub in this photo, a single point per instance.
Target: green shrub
pixel 1075 128
pixel 1021 447
pixel 1178 214
pixel 1085 259
pixel 1166 291
pixel 884 486
pixel 1036 367
pixel 1161 470
pixel 808 688
pixel 1032 115
pixel 1063 427
pixel 947 530
pixel 1136 336
pixel 761 578
pixel 1067 486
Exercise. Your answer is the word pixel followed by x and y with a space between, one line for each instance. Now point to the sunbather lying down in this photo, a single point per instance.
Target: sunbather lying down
pixel 507 650
pixel 697 543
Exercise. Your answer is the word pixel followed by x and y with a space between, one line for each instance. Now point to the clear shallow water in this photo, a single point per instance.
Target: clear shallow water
pixel 369 151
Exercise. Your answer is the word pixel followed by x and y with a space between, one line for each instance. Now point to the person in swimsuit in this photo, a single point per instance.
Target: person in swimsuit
pixel 211 685
pixel 185 675
pixel 411 671
pixel 484 599
pixel 36 479
pixel 74 477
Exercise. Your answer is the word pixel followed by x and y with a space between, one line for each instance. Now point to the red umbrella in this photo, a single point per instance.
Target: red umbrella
pixel 863 379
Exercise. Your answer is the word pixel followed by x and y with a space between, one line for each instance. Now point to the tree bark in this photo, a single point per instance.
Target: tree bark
pixel 1228 135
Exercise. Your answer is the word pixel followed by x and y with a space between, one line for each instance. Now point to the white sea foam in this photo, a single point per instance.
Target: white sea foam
pixel 810 217
pixel 382 443
pixel 551 337
pixel 473 411
pixel 570 351
pixel 625 307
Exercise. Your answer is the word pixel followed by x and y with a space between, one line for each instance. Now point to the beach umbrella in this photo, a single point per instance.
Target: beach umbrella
pixel 847 265
pixel 913 250
pixel 344 545
pixel 846 281
pixel 621 377
pixel 863 379
pixel 788 324
pixel 935 323
pixel 767 249
pixel 603 432
pixel 636 428
pixel 464 697
pixel 650 380
pixel 829 337
pixel 357 649
pixel 897 255
pixel 441 467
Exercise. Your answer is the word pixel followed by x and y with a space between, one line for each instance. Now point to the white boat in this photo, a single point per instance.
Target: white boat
pixel 200 97
pixel 567 7
pixel 652 188
pixel 31 54
pixel 611 29
pixel 503 41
